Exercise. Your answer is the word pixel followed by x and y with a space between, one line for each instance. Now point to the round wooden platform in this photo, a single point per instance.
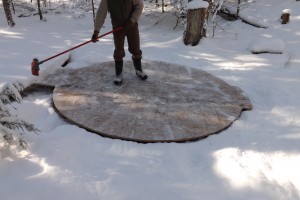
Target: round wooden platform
pixel 175 104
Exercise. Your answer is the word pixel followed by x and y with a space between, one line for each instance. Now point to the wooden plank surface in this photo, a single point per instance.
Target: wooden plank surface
pixel 175 104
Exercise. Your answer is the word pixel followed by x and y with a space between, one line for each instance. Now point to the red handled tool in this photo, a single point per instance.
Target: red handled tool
pixel 35 64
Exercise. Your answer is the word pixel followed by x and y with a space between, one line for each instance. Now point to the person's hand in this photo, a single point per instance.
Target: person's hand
pixel 128 25
pixel 95 36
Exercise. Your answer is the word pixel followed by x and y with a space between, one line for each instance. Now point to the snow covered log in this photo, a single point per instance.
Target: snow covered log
pixel 196 18
pixel 246 17
pixel 266 45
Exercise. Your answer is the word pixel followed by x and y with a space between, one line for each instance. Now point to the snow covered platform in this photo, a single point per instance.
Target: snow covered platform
pixel 175 104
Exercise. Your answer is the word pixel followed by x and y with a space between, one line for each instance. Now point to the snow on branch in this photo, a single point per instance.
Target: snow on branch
pixel 16 123
pixel 8 139
pixel 219 6
pixel 11 92
pixel 12 128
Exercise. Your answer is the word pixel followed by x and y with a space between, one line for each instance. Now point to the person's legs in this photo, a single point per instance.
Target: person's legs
pixel 119 38
pixel 119 54
pixel 133 39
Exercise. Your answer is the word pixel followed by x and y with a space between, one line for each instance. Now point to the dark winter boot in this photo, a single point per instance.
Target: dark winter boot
pixel 138 69
pixel 119 72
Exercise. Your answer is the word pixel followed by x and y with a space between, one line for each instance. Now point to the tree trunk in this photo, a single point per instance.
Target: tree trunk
pixel 195 26
pixel 238 8
pixel 93 7
pixel 13 6
pixel 8 14
pixel 39 8
pixel 162 5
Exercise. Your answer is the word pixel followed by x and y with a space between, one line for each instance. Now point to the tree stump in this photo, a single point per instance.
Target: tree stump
pixel 195 26
pixel 285 17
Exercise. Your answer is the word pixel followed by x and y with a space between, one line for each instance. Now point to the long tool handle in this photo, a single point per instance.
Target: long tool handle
pixel 117 29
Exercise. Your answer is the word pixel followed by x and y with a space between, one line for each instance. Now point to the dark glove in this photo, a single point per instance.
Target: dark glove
pixel 128 25
pixel 95 36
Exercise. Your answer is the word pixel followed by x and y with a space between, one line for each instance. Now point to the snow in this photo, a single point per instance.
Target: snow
pixel 255 20
pixel 196 4
pixel 267 45
pixel 287 11
pixel 258 157
pixel 248 16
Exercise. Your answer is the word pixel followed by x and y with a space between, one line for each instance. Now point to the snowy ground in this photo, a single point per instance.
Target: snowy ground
pixel 258 157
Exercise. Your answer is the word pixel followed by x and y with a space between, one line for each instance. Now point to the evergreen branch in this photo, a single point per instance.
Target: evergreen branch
pixel 17 123
pixel 12 127
pixel 11 92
